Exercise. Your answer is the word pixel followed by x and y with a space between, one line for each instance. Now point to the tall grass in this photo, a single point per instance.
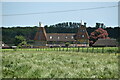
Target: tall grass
pixel 58 64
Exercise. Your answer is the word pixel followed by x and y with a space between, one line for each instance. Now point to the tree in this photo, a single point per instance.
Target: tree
pixel 97 25
pixel 97 34
pixel 19 39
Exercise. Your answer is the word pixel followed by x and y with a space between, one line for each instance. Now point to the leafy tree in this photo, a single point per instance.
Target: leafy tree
pixel 98 33
pixel 19 39
pixel 97 25
pixel 22 44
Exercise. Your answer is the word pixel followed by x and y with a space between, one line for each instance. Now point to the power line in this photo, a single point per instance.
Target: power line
pixel 61 11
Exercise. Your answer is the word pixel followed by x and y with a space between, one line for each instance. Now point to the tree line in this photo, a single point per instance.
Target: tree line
pixel 9 33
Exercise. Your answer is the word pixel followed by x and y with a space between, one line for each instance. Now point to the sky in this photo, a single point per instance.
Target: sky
pixel 108 16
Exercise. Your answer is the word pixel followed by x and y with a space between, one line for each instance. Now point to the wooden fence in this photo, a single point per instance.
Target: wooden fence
pixel 74 49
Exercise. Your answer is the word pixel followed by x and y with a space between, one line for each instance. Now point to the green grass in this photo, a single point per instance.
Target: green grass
pixel 58 64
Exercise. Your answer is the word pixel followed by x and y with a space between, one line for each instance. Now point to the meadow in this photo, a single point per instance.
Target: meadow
pixel 40 63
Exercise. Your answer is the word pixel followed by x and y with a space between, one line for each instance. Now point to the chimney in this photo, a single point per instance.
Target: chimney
pixel 41 25
pixel 82 23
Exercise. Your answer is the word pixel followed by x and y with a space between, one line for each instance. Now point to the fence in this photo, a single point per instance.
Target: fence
pixel 74 49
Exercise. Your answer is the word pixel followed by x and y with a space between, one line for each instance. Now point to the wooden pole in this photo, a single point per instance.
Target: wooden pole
pixel 82 49
pixel 67 49
pixel 92 49
pixel 87 49
pixel 102 49
pixel 78 48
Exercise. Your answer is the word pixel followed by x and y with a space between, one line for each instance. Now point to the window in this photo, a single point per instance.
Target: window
pixel 66 37
pixel 83 36
pixel 3 45
pixel 58 37
pixel 51 37
pixel 82 30
pixel 72 37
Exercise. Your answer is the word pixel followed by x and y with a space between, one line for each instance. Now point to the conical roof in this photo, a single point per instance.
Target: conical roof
pixel 41 33
pixel 82 33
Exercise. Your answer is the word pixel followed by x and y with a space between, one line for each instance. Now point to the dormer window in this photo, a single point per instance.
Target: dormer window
pixel 51 37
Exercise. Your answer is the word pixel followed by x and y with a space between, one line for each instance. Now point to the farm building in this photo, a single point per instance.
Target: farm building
pixel 105 43
pixel 80 38
pixel 3 45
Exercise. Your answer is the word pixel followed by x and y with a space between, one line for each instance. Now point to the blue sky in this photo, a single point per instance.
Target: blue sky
pixel 108 16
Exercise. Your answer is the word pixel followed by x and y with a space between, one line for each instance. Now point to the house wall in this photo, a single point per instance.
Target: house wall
pixel 40 43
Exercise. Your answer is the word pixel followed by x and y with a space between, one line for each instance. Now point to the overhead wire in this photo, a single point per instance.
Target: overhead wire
pixel 59 11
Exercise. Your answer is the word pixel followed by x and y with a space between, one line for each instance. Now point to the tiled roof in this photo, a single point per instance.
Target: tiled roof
pixel 82 33
pixel 41 34
pixel 106 42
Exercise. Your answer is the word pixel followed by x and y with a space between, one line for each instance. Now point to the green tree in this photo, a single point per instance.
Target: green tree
pixel 19 39
pixel 23 44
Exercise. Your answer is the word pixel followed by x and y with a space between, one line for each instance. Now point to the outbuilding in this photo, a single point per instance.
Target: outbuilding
pixel 106 43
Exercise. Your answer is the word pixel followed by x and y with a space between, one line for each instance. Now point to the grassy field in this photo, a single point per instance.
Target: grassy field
pixel 58 64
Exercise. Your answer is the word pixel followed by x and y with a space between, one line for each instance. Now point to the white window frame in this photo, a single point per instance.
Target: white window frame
pixel 51 37
pixel 66 37
pixel 58 37
pixel 83 36
pixel 72 37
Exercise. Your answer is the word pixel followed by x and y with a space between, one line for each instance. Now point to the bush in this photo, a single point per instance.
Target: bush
pixel 67 44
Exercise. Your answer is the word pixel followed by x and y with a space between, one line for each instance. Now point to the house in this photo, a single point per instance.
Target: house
pixel 105 43
pixel 80 38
